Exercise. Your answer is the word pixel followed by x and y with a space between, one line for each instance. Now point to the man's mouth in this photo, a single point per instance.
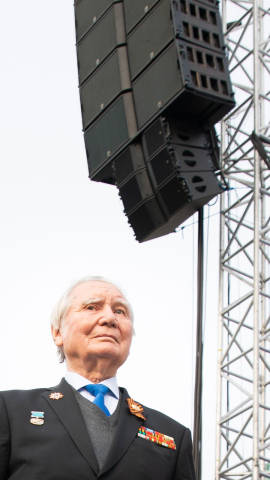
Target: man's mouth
pixel 107 336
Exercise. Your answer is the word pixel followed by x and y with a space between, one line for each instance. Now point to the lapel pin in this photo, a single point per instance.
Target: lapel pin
pixel 56 396
pixel 37 418
pixel 157 437
pixel 135 408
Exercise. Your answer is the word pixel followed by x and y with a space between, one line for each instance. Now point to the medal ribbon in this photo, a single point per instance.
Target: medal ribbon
pixel 135 408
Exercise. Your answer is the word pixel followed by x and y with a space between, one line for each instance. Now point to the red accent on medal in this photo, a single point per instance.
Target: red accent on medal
pixel 56 395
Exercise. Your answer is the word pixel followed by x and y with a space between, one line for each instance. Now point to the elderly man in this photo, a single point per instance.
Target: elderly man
pixel 86 427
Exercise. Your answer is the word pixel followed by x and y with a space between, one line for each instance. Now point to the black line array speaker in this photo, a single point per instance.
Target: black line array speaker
pixel 138 62
pixel 167 176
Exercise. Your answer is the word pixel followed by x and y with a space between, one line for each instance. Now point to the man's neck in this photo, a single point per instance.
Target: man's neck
pixel 78 382
pixel 96 374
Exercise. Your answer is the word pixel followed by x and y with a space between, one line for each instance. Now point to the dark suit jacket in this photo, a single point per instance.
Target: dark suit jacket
pixel 61 448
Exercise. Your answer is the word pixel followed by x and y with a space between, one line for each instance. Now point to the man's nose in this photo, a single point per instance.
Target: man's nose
pixel 108 317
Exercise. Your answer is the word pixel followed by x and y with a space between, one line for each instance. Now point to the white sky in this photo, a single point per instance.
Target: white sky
pixel 57 226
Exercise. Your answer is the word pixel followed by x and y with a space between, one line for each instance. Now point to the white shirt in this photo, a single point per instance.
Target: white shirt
pixel 78 382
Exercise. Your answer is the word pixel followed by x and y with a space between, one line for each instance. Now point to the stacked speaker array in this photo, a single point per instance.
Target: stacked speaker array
pixel 166 177
pixel 146 68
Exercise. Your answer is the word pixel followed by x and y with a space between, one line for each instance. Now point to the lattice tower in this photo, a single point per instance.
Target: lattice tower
pixel 243 396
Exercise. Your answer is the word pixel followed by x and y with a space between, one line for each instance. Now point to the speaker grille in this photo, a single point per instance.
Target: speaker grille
pixel 108 83
pixel 142 222
pixel 155 88
pixel 136 10
pixel 106 135
pixel 146 219
pixel 154 138
pixel 162 165
pixel 128 162
pixel 135 190
pixel 151 36
pixel 87 13
pixel 173 195
pixel 96 46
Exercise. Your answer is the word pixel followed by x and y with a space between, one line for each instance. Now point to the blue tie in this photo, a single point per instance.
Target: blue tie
pixel 99 391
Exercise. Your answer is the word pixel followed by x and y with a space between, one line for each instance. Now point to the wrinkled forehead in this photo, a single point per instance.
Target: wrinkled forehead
pixel 95 289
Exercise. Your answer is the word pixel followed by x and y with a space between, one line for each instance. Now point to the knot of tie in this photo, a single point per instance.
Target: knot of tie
pixel 99 391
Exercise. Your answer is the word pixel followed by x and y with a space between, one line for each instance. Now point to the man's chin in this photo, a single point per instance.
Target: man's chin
pixel 106 349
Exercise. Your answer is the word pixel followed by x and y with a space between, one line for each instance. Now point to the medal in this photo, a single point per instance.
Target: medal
pixel 157 437
pixel 56 396
pixel 37 418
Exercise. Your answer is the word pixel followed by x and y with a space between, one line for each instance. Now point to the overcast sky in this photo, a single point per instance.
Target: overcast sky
pixel 57 226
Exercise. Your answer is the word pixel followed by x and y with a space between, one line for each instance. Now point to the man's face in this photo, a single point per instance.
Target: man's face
pixel 97 324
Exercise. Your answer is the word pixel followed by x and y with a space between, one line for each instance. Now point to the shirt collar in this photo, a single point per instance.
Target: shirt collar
pixel 78 382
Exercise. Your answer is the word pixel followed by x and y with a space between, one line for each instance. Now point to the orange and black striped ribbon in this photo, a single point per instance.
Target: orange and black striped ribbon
pixel 135 408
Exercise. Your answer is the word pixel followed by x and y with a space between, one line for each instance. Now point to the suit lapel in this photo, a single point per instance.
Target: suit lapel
pixel 127 429
pixel 68 412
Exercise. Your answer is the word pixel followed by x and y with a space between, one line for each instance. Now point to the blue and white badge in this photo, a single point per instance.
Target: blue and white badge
pixel 37 418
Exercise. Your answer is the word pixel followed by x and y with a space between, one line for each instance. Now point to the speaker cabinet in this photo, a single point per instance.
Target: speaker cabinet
pixel 138 64
pixel 87 13
pixel 162 165
pixel 189 138
pixel 110 132
pixel 135 190
pixel 150 95
pixel 199 24
pixel 201 182
pixel 184 38
pixel 171 205
pixel 146 219
pixel 142 61
pixel 169 175
pixel 198 92
pixel 136 11
pixel 109 81
pixel 150 37
pixel 95 47
pixel 130 161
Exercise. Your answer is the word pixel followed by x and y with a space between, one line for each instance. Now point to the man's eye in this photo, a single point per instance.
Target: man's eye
pixel 120 311
pixel 90 307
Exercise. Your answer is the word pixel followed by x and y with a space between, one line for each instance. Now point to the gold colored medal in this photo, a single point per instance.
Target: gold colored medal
pixel 37 421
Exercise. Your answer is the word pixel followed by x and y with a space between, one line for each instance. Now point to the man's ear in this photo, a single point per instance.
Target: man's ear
pixel 57 336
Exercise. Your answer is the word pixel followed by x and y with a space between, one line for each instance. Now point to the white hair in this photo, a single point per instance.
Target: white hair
pixel 62 307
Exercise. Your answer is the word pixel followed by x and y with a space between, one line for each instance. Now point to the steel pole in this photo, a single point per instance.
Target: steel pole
pixel 197 430
pixel 262 419
pixel 220 321
pixel 221 292
pixel 256 304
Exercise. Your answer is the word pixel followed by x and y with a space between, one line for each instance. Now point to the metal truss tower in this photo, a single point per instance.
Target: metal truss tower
pixel 243 395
